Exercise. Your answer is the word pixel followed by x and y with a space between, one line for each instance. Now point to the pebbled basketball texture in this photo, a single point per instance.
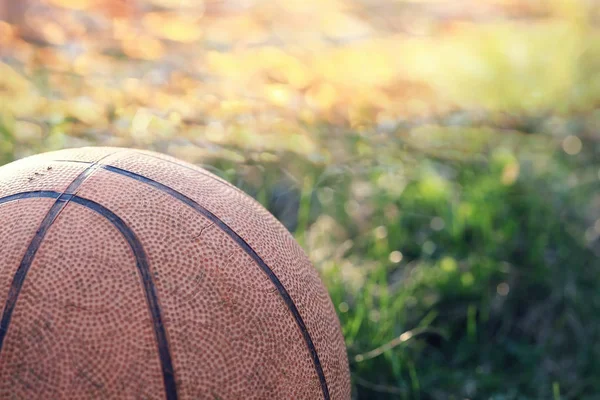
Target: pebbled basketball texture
pixel 130 274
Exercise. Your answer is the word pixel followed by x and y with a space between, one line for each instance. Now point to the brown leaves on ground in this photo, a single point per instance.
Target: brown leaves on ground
pixel 258 72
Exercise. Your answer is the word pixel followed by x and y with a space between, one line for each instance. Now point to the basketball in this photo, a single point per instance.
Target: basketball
pixel 130 274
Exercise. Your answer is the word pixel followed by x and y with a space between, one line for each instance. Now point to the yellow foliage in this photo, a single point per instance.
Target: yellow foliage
pixel 18 96
pixel 74 4
pixel 178 27
pixel 510 173
pixel 143 47
pixel 257 72
pixel 85 110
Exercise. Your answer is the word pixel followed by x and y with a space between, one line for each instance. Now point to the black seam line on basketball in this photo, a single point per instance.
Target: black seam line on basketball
pixel 209 176
pixel 19 278
pixel 143 268
pixel 149 289
pixel 214 177
pixel 37 194
pixel 250 251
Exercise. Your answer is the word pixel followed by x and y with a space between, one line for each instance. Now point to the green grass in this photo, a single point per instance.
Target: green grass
pixel 452 277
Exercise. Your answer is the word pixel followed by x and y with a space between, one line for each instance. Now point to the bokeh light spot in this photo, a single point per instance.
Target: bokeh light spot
pixel 395 256
pixel 343 307
pixel 503 289
pixel 572 145
pixel 437 223
pixel 380 232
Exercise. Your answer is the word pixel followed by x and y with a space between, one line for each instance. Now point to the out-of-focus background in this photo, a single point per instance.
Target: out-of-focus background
pixel 438 160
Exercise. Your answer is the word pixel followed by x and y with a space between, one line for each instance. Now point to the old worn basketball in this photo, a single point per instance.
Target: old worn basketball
pixel 129 274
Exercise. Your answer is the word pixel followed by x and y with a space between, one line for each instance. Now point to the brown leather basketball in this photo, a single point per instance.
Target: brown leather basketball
pixel 129 274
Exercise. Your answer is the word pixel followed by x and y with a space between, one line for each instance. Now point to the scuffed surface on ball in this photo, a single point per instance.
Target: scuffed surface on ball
pixel 133 225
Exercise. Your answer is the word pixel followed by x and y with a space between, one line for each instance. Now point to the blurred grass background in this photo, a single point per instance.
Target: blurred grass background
pixel 438 160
